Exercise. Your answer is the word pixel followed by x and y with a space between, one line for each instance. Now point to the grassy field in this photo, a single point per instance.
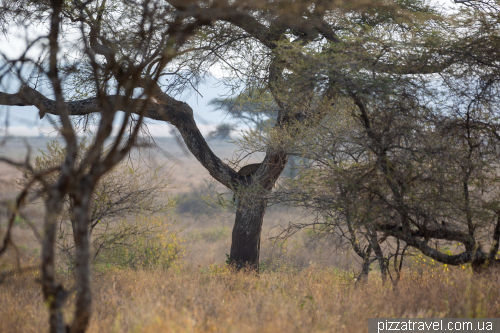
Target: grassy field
pixel 212 299
pixel 305 285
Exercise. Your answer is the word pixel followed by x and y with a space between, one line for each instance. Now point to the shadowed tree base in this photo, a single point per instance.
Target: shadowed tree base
pixel 485 266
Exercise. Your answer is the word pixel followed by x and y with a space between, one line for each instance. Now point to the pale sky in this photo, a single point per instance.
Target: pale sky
pixel 24 120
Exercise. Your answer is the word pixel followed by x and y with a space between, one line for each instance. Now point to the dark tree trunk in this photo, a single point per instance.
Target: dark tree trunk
pixel 485 266
pixel 81 235
pixel 252 204
pixel 245 247
pixel 380 257
pixel 365 269
pixel 53 292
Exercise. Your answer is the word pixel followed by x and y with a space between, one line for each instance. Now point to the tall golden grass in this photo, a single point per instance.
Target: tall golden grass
pixel 215 299
pixel 298 291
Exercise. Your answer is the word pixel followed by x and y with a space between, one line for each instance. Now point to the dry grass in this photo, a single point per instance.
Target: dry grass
pixel 299 291
pixel 216 300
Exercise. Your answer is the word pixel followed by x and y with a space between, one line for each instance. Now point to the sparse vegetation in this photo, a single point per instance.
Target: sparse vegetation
pixel 151 243
pixel 197 201
pixel 211 234
pixel 123 207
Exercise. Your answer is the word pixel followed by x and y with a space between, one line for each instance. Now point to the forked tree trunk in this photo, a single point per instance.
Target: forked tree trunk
pixel 382 263
pixel 380 256
pixel 245 246
pixel 252 204
pixel 54 292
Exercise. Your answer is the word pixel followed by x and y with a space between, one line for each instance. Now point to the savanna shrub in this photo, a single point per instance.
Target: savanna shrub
pixel 154 243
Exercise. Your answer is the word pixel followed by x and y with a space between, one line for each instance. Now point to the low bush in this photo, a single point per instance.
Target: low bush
pixel 149 242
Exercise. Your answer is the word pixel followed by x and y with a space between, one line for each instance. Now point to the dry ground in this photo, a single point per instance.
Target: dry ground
pixel 304 286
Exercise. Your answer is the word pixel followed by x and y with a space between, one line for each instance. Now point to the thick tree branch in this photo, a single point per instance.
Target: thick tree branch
pixel 164 108
pixel 228 14
pixel 417 239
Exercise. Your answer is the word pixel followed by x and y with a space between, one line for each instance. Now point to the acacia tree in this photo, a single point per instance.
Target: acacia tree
pixel 275 49
pixel 270 46
pixel 419 158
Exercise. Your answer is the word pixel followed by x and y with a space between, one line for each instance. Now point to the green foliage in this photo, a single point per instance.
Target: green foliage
pixel 256 109
pixel 20 222
pixel 152 243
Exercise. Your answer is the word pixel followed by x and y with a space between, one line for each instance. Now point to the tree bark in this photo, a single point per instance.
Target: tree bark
pixel 81 235
pixel 245 246
pixel 380 256
pixel 365 268
pixel 485 266
pixel 53 293
pixel 252 204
